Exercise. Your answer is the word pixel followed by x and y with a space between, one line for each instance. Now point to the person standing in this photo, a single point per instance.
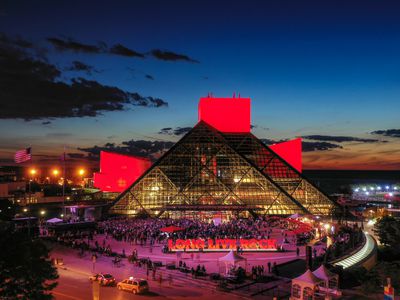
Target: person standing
pixel 170 280
pixel 160 279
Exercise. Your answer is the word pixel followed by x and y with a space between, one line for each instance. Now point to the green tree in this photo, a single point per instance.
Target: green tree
pixel 7 210
pixel 26 271
pixel 388 230
pixel 371 281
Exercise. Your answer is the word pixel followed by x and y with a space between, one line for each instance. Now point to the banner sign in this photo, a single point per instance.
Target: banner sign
pixel 211 245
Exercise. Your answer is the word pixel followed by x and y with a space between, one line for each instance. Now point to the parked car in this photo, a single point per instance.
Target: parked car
pixel 103 279
pixel 134 285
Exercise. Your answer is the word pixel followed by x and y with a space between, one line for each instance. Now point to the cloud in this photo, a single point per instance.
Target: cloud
pixel 69 44
pixel 25 78
pixel 271 142
pixel 121 50
pixel 147 76
pixel 46 123
pixel 175 131
pixel 307 146
pixel 388 132
pixel 171 56
pixel 17 41
pixel 318 146
pixel 81 67
pixel 339 139
pixel 151 149
pixel 76 155
pixel 72 45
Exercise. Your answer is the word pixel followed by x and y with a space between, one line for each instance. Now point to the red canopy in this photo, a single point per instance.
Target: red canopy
pixel 171 229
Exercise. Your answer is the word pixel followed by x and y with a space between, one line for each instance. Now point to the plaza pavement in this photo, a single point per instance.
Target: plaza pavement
pixel 76 270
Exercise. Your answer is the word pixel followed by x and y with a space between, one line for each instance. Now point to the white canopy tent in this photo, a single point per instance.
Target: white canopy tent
pixel 306 286
pixel 331 279
pixel 54 220
pixel 232 259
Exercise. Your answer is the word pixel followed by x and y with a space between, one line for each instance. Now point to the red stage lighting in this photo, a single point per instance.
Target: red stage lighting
pixel 226 114
pixel 290 151
pixel 118 171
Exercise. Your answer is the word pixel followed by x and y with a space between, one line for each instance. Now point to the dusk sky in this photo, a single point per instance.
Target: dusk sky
pixel 81 74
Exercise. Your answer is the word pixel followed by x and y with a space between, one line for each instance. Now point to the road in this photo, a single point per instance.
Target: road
pixel 74 281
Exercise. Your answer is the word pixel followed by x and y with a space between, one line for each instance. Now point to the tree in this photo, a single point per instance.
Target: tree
pixel 7 210
pixel 388 230
pixel 26 271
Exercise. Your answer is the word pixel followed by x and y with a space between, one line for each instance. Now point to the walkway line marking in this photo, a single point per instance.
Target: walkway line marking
pixel 65 295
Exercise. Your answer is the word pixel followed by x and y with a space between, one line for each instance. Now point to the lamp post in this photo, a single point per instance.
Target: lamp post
pixel 81 173
pixel 32 173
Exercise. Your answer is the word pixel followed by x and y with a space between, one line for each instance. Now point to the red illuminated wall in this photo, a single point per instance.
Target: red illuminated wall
pixel 226 114
pixel 117 171
pixel 290 151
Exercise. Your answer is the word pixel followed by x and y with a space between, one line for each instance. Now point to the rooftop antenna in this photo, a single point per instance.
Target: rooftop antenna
pixel 234 95
pixel 239 95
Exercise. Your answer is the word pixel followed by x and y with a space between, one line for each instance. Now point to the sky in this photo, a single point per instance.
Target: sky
pixel 127 76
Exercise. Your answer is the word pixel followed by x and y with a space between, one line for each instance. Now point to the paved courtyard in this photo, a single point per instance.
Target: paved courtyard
pixel 74 274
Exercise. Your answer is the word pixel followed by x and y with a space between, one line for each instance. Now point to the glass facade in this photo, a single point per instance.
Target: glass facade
pixel 212 172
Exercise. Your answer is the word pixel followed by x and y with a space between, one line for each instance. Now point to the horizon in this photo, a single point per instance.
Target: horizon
pixel 117 80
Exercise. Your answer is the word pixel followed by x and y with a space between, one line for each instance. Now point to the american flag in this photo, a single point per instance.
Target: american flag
pixel 23 155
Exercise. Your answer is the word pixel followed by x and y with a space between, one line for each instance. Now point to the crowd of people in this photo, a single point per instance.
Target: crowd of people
pixel 149 231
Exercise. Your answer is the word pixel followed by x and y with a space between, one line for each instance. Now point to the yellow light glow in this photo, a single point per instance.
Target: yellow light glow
pixel 42 212
pixel 327 226
pixel 32 171
pixel 25 209
pixel 55 172
pixel 81 172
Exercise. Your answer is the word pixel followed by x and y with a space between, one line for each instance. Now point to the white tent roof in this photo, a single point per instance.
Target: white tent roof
pixel 323 273
pixel 231 257
pixel 54 220
pixel 308 277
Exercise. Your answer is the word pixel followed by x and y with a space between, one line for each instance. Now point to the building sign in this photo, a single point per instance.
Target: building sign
pixel 211 245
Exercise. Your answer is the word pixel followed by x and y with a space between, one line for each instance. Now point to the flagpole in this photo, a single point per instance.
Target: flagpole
pixel 63 188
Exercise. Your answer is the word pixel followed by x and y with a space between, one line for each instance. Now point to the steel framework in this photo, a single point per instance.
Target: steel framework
pixel 209 170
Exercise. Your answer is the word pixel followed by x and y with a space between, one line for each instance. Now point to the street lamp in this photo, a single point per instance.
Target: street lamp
pixel 81 172
pixel 32 172
pixel 42 212
pixel 55 172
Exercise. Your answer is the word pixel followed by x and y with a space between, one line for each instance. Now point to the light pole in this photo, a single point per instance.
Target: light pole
pixel 81 173
pixel 32 172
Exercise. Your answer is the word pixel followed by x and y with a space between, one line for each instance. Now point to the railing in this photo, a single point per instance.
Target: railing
pixel 360 256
